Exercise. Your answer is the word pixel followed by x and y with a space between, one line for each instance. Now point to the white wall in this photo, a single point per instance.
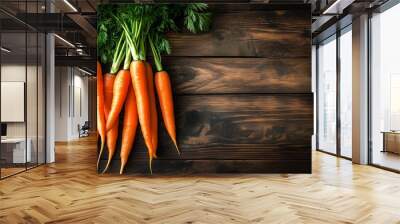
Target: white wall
pixel 80 109
pixel 61 103
pixel 33 127
pixel 71 102
pixel 10 73
pixel 16 73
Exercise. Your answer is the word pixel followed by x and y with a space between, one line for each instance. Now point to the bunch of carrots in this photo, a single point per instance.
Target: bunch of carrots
pixel 124 39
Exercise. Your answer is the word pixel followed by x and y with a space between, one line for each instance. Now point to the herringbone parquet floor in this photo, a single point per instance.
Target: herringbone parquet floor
pixel 70 191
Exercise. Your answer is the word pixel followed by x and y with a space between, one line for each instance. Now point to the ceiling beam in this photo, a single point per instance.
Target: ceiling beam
pixel 44 22
pixel 81 61
pixel 90 31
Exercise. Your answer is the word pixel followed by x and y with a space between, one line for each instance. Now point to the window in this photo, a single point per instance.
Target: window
pixel 346 92
pixel 327 95
pixel 385 89
pixel 334 106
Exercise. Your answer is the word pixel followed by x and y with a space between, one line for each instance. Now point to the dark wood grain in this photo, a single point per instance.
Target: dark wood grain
pixel 181 167
pixel 243 100
pixel 272 127
pixel 239 75
pixel 272 151
pixel 269 33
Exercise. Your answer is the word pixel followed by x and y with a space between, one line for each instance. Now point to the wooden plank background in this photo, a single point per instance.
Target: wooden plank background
pixel 243 100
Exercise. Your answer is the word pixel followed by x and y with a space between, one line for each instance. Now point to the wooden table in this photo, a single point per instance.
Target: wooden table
pixel 391 141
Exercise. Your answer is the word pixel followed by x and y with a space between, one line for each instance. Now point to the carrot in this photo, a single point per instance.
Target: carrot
pixel 139 83
pixel 101 122
pixel 112 134
pixel 116 94
pixel 120 90
pixel 129 128
pixel 164 92
pixel 153 108
pixel 108 93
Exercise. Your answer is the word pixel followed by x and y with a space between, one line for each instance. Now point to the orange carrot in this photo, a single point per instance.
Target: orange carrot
pixel 101 122
pixel 139 83
pixel 153 108
pixel 129 128
pixel 112 134
pixel 120 90
pixel 108 92
pixel 164 92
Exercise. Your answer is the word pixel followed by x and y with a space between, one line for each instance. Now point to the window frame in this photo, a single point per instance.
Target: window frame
pixel 31 30
pixel 381 9
pixel 338 33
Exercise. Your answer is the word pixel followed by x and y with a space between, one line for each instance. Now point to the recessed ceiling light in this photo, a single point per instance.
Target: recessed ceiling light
pixel 338 6
pixel 84 71
pixel 70 5
pixel 64 40
pixel 5 50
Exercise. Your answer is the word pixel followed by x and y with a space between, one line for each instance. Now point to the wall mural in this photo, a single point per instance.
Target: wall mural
pixel 197 88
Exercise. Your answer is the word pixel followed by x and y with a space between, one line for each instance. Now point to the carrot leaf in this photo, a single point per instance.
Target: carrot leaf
pixel 196 18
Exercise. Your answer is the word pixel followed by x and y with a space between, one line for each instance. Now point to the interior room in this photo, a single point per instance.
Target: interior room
pixel 22 100
pixel 236 111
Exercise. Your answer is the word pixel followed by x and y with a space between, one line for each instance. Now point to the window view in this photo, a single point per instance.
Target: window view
pixel 345 92
pixel 327 95
pixel 385 89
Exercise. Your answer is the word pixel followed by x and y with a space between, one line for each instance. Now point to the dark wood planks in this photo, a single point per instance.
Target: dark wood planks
pixel 267 33
pixel 272 127
pixel 181 167
pixel 192 75
pixel 243 100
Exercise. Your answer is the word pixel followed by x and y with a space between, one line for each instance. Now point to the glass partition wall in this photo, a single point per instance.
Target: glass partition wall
pixel 327 95
pixel 22 77
pixel 334 93
pixel 385 89
pixel 345 91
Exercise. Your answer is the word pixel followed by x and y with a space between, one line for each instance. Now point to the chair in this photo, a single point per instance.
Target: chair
pixel 84 130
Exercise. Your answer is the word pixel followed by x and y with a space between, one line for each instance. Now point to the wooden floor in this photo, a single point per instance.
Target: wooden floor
pixel 387 159
pixel 8 171
pixel 71 191
pixel 11 170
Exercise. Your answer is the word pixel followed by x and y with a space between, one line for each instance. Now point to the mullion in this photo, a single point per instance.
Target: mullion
pixel 37 91
pixel 46 36
pixel 0 92
pixel 369 91
pixel 338 95
pixel 26 86
pixel 317 97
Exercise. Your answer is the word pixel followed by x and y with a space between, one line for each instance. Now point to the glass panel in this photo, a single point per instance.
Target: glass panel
pixel 31 98
pixel 22 88
pixel 346 94
pixel 13 85
pixel 14 153
pixel 32 88
pixel 327 96
pixel 385 84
